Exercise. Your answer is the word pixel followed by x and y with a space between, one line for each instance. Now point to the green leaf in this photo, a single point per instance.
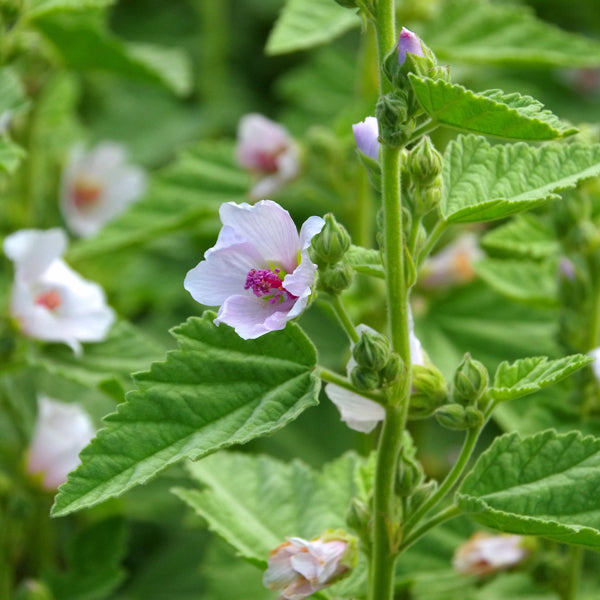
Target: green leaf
pixel 255 502
pixel 484 182
pixel 495 113
pixel 39 7
pixel 214 391
pixel 188 192
pixel 526 236
pixel 521 280
pixel 366 261
pixel 544 485
pixel 11 155
pixel 12 93
pixel 486 33
pixel 529 375
pixel 85 44
pixel 307 23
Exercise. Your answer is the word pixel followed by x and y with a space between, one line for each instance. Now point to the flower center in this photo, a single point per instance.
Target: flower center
pixel 86 193
pixel 267 284
pixel 50 300
pixel 266 161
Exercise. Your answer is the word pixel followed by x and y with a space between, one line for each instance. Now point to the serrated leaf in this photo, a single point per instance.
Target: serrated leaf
pixel 521 280
pixel 188 192
pixel 544 485
pixel 11 155
pixel 307 23
pixel 216 390
pixel 484 182
pixel 365 260
pixel 255 502
pixel 529 375
pixel 494 113
pixel 486 33
pixel 85 45
pixel 525 235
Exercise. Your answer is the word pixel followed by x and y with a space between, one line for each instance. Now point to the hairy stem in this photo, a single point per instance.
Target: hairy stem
pixel 344 318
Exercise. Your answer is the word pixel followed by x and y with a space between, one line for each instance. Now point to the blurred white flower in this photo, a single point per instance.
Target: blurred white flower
pixel 299 568
pixel 484 554
pixel 595 354
pixel 268 151
pixel 97 186
pixel 50 301
pixel 453 264
pixel 61 432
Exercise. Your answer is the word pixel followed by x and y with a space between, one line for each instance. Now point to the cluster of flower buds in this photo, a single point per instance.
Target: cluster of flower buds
pixel 468 397
pixel 298 568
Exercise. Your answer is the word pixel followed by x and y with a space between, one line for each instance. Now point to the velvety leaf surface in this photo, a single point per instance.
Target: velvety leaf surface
pixel 484 182
pixel 493 113
pixel 543 485
pixel 214 391
pixel 489 33
pixel 529 375
pixel 303 24
pixel 365 260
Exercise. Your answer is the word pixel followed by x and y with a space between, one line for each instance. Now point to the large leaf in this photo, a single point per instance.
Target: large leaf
pixel 484 182
pixel 214 391
pixel 522 280
pixel 529 375
pixel 545 485
pixel 307 23
pixel 494 113
pixel 187 192
pixel 487 33
pixel 85 44
pixel 525 236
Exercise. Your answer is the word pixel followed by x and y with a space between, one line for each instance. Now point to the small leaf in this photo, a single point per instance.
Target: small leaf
pixel 214 391
pixel 487 33
pixel 529 375
pixel 544 485
pixel 494 113
pixel 255 502
pixel 366 261
pixel 521 280
pixel 307 23
pixel 484 182
pixel 526 236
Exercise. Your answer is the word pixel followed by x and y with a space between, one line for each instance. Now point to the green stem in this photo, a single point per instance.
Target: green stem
pixel 432 240
pixel 449 481
pixel 332 377
pixel 344 318
pixel 444 515
pixel 574 572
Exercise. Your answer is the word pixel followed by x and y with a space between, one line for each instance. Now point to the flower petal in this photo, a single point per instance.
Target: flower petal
pixel 359 413
pixel 366 136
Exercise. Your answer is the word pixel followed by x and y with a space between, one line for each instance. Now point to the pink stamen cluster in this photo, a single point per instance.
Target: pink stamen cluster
pixel 264 282
pixel 86 194
pixel 50 300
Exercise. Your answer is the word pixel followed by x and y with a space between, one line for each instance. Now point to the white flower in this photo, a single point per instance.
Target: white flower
pixel 268 151
pixel 97 186
pixel 259 272
pixel 484 554
pixel 60 433
pixel 453 264
pixel 299 568
pixel 50 301
pixel 595 354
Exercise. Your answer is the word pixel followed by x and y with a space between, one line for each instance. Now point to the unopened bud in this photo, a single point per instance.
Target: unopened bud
pixel 422 493
pixel 358 516
pixel 336 278
pixel 364 379
pixel 408 42
pixel 428 391
pixel 372 350
pixel 410 475
pixel 458 417
pixel 331 243
pixel 470 381
pixel 366 136
pixel 393 115
pixel 394 367
pixel 424 163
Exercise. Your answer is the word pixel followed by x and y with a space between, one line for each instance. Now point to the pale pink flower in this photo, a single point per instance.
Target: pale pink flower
pixel 453 264
pixel 366 134
pixel 268 151
pixel 484 554
pixel 408 42
pixel 97 186
pixel 259 272
pixel 50 301
pixel 61 432
pixel 299 568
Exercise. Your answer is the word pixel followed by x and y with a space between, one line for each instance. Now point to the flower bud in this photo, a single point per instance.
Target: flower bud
pixel 358 516
pixel 485 554
pixel 410 475
pixel 366 135
pixel 394 367
pixel 372 350
pixel 393 116
pixel 470 381
pixel 429 391
pixel 331 243
pixel 458 417
pixel 424 163
pixel 421 494
pixel 336 278
pixel 365 379
pixel 408 42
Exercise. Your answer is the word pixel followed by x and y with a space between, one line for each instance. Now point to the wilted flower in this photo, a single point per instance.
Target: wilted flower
pixel 366 134
pixel 298 568
pixel 60 433
pixel 267 150
pixel 97 186
pixel 259 272
pixel 408 42
pixel 453 264
pixel 50 301
pixel 485 554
